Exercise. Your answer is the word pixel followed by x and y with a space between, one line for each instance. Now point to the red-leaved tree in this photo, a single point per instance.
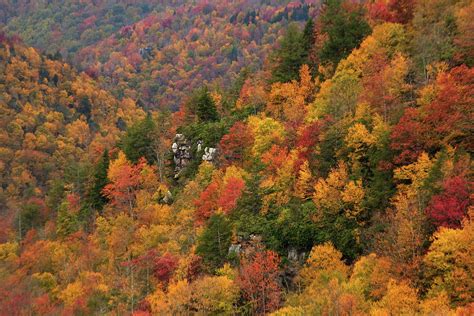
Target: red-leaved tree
pixel 258 281
pixel 447 120
pixel 165 267
pixel 206 204
pixel 233 144
pixel 450 206
pixel 230 194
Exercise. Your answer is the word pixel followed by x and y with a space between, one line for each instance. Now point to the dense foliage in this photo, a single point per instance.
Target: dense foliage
pixel 332 177
pixel 157 51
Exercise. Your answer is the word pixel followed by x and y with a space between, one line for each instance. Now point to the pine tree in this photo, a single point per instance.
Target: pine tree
pixel 96 197
pixel 205 106
pixel 344 29
pixel 215 241
pixel 138 141
pixel 29 217
pixel 308 39
pixel 67 221
pixel 290 56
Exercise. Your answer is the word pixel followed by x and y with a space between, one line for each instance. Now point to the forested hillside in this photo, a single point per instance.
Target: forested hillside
pixel 241 158
pixel 154 51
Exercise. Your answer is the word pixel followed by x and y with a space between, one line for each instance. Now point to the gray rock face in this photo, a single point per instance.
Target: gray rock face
pixel 295 256
pixel 210 154
pixel 292 254
pixel 181 153
pixel 235 249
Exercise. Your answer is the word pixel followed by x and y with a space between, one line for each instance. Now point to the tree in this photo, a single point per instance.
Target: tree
pixel 124 182
pixel 400 297
pixel 337 194
pixel 398 11
pixel 162 140
pixel 303 185
pixel 384 85
pixel 443 118
pixel 309 40
pixel 232 190
pixel 258 279
pixel 85 107
pixel 449 263
pixel 434 29
pixel 67 220
pixel 96 196
pixel 266 132
pixel 371 274
pixel 281 167
pixel 235 144
pixel 164 267
pixel 213 244
pixel 288 101
pixel 450 206
pixel 449 116
pixel 402 10
pixel 406 225
pixel 30 216
pixel 339 210
pixel 336 19
pixel 322 258
pixel 306 140
pixel 464 39
pixel 289 56
pixel 214 295
pixel 209 295
pixel 325 290
pixel 138 141
pixel 206 204
pixel 202 105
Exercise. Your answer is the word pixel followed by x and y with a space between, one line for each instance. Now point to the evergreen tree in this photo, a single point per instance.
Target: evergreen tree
pixel 213 245
pixel 29 217
pixel 138 141
pixel 85 107
pixel 289 57
pixel 344 28
pixel 67 221
pixel 308 39
pixel 96 197
pixel 204 106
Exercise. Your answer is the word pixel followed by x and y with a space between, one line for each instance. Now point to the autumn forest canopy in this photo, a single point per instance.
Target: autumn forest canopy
pixel 248 157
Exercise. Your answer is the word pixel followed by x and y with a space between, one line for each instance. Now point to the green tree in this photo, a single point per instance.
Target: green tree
pixel 96 197
pixel 308 42
pixel 213 244
pixel 290 55
pixel 67 220
pixel 85 107
pixel 28 218
pixel 55 193
pixel 138 141
pixel 204 106
pixel 343 27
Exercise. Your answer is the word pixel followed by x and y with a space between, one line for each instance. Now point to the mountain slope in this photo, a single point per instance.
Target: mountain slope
pixel 52 118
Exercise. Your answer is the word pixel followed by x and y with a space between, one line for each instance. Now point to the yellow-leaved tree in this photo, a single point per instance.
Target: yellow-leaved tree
pixel 449 263
pixel 337 194
pixel 288 101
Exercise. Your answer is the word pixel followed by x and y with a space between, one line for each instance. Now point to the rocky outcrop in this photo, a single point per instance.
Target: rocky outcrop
pixel 181 153
pixel 210 154
pixel 246 246
pixel 295 256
